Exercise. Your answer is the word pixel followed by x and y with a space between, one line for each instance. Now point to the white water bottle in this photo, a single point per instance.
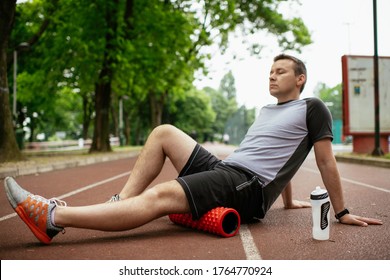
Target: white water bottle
pixel 320 213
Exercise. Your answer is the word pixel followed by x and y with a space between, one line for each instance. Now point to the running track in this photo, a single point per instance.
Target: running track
pixel 282 235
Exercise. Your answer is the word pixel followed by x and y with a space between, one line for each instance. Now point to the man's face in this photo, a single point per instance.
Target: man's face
pixel 282 79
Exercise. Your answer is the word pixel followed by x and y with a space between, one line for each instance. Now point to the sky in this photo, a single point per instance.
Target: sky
pixel 337 27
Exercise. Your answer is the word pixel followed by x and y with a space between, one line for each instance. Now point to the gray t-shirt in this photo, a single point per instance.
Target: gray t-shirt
pixel 278 142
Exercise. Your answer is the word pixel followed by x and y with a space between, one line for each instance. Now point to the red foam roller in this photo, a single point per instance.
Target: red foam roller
pixel 221 221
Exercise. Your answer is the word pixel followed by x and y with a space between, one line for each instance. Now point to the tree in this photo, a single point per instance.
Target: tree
pixel 194 114
pixel 238 124
pixel 146 50
pixel 332 97
pixel 101 141
pixel 227 86
pixel 8 146
pixel 161 43
pixel 229 119
pixel 220 18
pixel 223 102
pixel 204 23
pixel 79 52
pixel 47 76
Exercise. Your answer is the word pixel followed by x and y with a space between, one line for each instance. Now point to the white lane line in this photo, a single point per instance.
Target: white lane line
pixel 250 248
pixel 6 217
pixel 88 187
pixel 351 181
pixel 91 186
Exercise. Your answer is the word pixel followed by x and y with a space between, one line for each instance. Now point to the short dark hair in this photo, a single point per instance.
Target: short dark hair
pixel 299 68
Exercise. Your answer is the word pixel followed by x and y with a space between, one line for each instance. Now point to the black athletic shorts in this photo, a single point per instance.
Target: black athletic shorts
pixel 208 183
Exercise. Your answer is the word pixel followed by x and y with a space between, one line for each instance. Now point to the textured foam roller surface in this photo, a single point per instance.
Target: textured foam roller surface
pixel 221 221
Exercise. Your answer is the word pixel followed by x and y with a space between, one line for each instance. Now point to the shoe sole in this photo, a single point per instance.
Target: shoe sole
pixel 41 236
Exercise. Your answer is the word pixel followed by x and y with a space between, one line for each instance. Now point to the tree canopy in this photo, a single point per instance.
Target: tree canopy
pixel 332 96
pixel 86 57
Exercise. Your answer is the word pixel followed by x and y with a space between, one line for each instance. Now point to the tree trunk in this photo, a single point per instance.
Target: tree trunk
pixel 101 141
pixel 32 130
pixel 127 130
pixel 115 120
pixel 87 113
pixel 101 134
pixel 9 150
pixel 156 107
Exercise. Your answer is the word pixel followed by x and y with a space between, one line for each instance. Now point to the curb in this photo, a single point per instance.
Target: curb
pixel 36 169
pixel 379 162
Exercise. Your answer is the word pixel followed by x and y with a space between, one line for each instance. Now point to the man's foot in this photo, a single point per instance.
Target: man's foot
pixel 114 198
pixel 34 210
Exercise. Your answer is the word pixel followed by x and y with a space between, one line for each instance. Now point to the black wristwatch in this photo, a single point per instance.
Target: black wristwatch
pixel 342 213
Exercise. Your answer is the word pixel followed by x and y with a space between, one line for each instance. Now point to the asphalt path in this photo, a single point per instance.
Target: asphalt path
pixel 281 235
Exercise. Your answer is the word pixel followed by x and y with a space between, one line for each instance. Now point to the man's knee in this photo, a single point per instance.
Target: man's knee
pixel 169 197
pixel 164 130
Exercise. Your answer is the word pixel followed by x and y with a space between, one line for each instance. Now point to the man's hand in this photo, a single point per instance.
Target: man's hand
pixel 297 204
pixel 350 219
pixel 290 203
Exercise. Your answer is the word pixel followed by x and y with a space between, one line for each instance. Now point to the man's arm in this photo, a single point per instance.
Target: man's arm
pixel 290 203
pixel 326 163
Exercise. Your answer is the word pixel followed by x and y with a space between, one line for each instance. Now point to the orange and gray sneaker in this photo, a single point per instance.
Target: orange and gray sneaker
pixel 34 210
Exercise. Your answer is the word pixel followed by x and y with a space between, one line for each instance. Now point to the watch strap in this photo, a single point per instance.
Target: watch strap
pixel 341 214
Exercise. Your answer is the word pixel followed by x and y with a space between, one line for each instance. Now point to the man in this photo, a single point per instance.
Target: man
pixel 249 180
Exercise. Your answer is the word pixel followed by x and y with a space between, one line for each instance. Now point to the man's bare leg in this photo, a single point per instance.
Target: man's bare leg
pixel 164 141
pixel 138 206
pixel 126 214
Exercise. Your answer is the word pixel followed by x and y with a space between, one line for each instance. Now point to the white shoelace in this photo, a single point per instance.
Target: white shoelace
pixel 54 200
pixel 114 198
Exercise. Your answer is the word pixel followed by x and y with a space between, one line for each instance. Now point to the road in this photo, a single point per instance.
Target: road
pixel 281 235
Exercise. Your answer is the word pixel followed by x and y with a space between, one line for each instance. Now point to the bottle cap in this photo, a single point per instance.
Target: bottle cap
pixel 318 194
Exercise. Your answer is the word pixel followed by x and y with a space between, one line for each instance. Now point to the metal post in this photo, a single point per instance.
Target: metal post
pixel 22 46
pixel 120 113
pixel 121 137
pixel 377 151
pixel 15 76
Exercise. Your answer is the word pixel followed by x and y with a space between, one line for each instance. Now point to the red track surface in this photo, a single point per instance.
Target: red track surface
pixel 283 234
